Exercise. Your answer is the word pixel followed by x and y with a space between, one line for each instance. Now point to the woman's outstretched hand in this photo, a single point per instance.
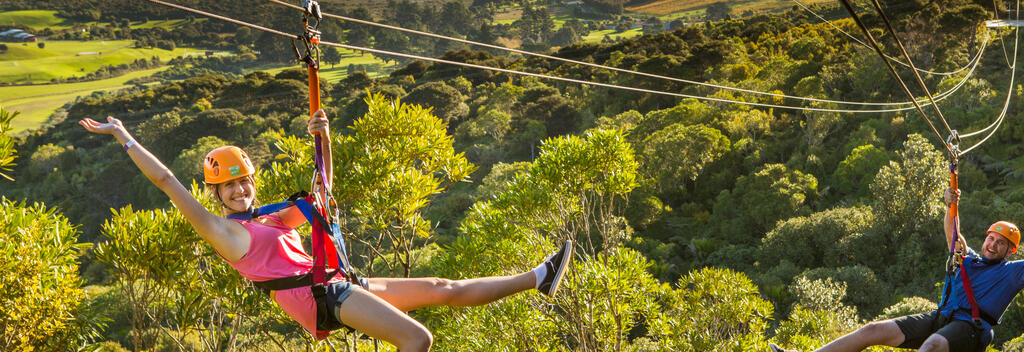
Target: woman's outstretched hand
pixel 318 124
pixel 111 127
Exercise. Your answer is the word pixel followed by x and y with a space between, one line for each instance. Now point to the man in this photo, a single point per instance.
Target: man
pixel 995 282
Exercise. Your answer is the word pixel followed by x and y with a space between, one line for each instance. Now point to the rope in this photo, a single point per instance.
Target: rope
pixel 861 42
pixel 878 49
pixel 888 25
pixel 607 85
pixel 651 75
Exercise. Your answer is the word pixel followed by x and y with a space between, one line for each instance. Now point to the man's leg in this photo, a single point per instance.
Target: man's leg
pixel 885 332
pixel 935 343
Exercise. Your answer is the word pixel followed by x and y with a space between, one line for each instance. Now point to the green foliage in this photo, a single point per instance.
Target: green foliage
pixel 818 316
pixel 7 151
pixel 864 291
pixel 175 284
pixel 395 159
pixel 446 102
pixel 907 306
pixel 570 192
pixel 905 190
pixel 772 193
pixel 714 310
pixel 856 172
pixel 41 299
pixel 821 239
pixel 676 155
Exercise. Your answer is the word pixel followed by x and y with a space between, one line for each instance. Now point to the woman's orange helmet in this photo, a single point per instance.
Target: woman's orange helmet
pixel 1008 230
pixel 225 164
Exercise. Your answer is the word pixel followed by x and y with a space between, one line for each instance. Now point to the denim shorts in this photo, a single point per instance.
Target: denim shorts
pixel 337 293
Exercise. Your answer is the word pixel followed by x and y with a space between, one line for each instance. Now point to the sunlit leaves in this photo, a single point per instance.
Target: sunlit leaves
pixel 40 291
pixel 7 152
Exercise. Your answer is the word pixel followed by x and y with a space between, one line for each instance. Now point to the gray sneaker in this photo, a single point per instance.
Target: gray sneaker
pixel 557 265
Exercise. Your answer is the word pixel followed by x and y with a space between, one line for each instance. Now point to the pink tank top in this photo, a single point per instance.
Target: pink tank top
pixel 275 252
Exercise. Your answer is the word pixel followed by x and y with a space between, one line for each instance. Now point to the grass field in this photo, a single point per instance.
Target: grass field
pixel 34 19
pixel 65 59
pixel 598 36
pixel 340 70
pixel 36 103
pixel 668 7
pixel 165 24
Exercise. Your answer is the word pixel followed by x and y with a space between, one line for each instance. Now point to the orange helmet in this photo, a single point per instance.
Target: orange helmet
pixel 1009 231
pixel 225 164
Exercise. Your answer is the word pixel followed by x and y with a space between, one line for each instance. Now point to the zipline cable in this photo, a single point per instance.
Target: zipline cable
pixel 550 57
pixel 995 10
pixel 1009 93
pixel 878 49
pixel 861 42
pixel 885 19
pixel 482 67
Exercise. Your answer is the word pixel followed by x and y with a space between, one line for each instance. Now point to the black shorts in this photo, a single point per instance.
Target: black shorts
pixel 961 335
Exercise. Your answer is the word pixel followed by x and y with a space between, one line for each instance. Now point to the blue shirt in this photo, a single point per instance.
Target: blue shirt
pixel 995 285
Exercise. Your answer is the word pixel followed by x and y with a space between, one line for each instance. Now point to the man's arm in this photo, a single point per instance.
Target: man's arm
pixel 949 224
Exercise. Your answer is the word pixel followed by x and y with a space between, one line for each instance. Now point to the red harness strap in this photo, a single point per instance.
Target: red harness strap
pixel 969 291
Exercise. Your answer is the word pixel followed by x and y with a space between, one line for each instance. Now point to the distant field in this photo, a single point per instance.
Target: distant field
pixel 36 103
pixel 340 70
pixel 667 7
pixel 64 59
pixel 165 24
pixel 598 36
pixel 35 19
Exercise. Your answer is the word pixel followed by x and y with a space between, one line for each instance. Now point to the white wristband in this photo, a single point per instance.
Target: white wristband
pixel 129 144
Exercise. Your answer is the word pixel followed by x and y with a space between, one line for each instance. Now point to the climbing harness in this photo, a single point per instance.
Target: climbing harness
pixel 956 256
pixel 319 206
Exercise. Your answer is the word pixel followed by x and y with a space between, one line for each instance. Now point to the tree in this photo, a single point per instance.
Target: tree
pixel 855 173
pixel 772 193
pixel 676 155
pixel 718 11
pixel 7 151
pixel 714 310
pixel 572 191
pixel 905 190
pixel 42 304
pixel 446 101
pixel 397 156
pixel 565 36
pixel 359 36
pixel 392 41
pixel 331 55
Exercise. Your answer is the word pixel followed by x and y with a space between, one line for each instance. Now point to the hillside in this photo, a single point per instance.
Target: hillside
pixel 701 224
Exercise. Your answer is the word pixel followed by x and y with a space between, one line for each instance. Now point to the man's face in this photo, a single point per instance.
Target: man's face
pixel 996 247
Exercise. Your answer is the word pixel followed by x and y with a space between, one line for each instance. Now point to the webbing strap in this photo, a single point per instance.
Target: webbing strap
pixel 969 291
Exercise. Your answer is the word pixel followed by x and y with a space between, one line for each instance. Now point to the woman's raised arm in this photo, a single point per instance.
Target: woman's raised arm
pixel 230 239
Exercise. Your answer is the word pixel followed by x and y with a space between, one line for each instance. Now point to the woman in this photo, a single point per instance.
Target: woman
pixel 268 247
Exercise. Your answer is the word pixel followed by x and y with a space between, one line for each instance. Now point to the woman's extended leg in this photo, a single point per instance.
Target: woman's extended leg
pixel 412 293
pixel 375 317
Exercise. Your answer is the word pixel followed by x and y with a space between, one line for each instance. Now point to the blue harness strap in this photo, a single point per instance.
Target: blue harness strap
pixel 299 200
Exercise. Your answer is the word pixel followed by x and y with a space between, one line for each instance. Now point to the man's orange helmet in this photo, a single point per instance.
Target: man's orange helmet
pixel 1008 230
pixel 225 164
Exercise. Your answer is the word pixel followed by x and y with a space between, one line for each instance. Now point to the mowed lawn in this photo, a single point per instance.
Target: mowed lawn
pixel 26 62
pixel 36 103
